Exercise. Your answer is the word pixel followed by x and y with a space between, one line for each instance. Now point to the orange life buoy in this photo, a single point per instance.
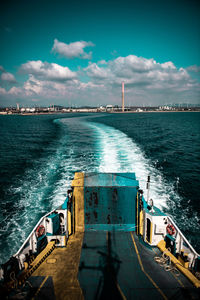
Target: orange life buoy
pixel 170 229
pixel 40 230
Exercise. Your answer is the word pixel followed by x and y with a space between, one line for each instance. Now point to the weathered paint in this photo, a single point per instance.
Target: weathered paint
pixel 78 202
pixel 69 222
pixel 162 246
pixel 64 271
pixel 110 180
pixel 113 264
pixel 110 206
pixel 141 223
pixel 103 201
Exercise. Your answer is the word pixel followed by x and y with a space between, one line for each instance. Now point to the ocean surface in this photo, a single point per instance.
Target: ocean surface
pixel 39 155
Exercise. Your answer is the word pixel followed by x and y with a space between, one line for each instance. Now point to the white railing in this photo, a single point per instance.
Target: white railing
pixel 32 233
pixel 182 239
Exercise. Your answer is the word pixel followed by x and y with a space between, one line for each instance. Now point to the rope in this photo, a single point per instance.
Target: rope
pixel 13 279
pixel 165 261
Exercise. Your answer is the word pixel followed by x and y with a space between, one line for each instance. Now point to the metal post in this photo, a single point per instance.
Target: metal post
pixel 148 187
pixel 123 96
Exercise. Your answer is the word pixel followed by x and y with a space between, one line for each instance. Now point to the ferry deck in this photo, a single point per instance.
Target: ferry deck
pixel 105 256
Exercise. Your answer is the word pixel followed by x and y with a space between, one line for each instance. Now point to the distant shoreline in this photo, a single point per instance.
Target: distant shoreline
pixel 96 112
pixel 153 111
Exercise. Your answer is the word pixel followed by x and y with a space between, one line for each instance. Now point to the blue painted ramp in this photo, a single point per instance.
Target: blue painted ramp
pixel 110 201
pixel 111 268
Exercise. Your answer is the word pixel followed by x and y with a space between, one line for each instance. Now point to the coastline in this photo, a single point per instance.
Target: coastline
pixel 88 111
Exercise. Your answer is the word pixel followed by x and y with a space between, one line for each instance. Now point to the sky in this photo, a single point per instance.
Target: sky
pixel 77 53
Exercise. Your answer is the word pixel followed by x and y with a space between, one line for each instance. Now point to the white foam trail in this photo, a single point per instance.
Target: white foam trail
pixel 118 153
pixel 41 190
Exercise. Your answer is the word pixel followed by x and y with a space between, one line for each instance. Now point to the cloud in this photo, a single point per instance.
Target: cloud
pixel 15 91
pixel 2 69
pixel 48 71
pixel 8 77
pixel 33 86
pixel 137 71
pixel 2 91
pixel 147 82
pixel 72 50
pixel 94 71
pixel 194 68
pixel 102 62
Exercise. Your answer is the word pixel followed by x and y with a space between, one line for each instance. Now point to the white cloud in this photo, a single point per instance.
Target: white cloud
pixel 138 72
pixel 168 65
pixel 194 68
pixel 48 71
pixel 93 70
pixel 15 91
pixel 8 77
pixel 146 82
pixel 48 89
pixel 72 50
pixel 144 79
pixel 2 91
pixel 102 62
pixel 33 86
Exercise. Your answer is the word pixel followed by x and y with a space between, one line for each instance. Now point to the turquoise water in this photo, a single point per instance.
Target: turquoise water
pixel 39 155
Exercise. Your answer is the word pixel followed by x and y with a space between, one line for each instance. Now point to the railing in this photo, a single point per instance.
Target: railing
pixel 183 239
pixel 32 233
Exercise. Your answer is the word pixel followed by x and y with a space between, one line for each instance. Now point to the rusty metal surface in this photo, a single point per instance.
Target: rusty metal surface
pixel 109 201
pixel 110 179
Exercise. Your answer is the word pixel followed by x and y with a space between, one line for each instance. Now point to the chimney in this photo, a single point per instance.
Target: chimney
pixel 122 96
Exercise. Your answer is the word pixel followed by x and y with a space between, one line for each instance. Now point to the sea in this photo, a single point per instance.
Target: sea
pixel 39 155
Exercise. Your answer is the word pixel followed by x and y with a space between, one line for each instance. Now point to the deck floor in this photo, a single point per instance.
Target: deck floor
pixel 107 265
pixel 120 266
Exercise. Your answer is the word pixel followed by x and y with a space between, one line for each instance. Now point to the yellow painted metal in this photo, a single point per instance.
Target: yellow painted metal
pixel 69 222
pixel 141 222
pixel 143 270
pixel 162 246
pixel 25 265
pixel 179 281
pixel 78 202
pixel 64 272
pixel 65 240
pixel 184 263
pixel 51 261
pixel 49 248
pixel 37 262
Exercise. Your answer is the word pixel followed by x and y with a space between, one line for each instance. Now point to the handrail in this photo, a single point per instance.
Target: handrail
pixel 184 238
pixel 29 236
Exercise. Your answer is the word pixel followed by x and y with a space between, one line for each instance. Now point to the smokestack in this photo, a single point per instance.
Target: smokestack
pixel 122 96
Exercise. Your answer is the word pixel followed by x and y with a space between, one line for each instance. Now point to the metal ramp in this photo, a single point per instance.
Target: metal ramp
pixel 109 201
pixel 116 265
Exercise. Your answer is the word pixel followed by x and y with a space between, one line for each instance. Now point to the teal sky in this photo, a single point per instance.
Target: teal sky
pixel 162 30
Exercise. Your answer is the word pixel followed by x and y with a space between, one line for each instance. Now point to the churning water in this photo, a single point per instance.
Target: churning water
pixel 39 155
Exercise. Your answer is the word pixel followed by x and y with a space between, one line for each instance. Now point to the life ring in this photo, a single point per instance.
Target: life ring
pixel 170 229
pixel 40 230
